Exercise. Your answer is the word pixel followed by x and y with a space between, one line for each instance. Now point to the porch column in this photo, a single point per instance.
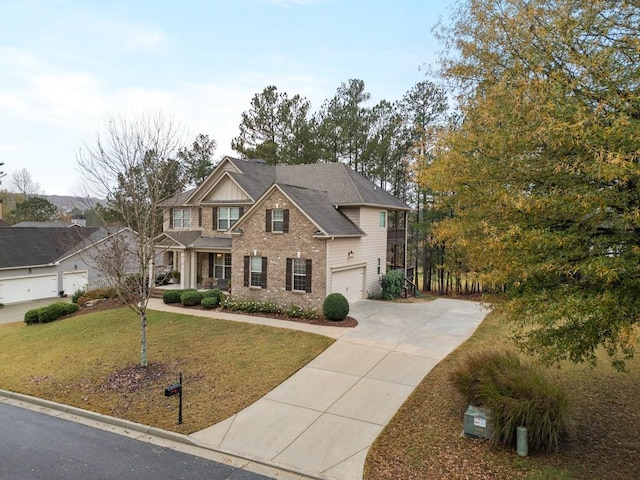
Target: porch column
pixel 183 272
pixel 193 282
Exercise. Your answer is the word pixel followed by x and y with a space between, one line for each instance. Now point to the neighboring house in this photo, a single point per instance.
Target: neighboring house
pixel 42 262
pixel 290 234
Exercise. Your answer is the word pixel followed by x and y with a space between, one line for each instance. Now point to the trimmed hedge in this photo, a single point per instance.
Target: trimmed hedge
pixel 210 302
pixel 215 295
pixel 515 394
pixel 174 296
pixel 335 307
pixel 191 298
pixel 50 312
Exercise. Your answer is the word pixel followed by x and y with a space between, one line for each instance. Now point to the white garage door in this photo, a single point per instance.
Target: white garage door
pixel 23 289
pixel 76 280
pixel 349 283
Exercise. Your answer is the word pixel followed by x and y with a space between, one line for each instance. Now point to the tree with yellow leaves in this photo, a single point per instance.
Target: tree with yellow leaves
pixel 543 172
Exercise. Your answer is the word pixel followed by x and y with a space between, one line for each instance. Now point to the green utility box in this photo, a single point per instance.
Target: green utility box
pixel 477 423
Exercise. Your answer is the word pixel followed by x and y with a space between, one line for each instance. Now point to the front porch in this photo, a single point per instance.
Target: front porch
pixel 195 261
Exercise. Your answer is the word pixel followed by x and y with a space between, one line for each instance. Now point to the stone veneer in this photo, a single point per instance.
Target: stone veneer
pixel 277 247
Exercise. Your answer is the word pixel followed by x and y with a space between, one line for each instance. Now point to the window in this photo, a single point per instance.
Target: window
pixel 227 217
pixel 298 275
pixel 383 219
pixel 181 218
pixel 379 267
pixel 255 272
pixel 277 220
pixel 222 265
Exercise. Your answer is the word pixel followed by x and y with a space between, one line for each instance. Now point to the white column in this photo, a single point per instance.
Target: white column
pixel 183 271
pixel 193 283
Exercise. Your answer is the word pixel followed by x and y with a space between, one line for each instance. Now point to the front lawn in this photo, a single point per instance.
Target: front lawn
pixel 89 361
pixel 423 439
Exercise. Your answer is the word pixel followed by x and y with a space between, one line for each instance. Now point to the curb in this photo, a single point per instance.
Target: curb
pixel 152 431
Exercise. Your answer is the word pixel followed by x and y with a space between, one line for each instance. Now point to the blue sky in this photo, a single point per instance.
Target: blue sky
pixel 67 65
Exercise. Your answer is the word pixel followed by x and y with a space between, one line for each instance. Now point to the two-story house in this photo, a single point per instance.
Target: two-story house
pixel 291 234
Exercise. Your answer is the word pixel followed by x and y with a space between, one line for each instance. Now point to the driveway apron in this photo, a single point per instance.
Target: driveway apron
pixel 323 419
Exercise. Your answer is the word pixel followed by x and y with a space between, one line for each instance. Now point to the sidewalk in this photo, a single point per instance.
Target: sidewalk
pixel 322 420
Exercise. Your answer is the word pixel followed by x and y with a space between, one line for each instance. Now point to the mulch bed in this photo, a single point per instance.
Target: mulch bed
pixel 110 303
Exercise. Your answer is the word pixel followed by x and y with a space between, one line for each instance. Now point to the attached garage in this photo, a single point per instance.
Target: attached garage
pixel 33 287
pixel 349 283
pixel 76 280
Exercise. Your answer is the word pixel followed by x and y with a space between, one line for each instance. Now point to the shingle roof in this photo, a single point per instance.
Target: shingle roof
pixel 256 177
pixel 177 200
pixel 343 185
pixel 318 206
pixel 28 246
pixel 193 238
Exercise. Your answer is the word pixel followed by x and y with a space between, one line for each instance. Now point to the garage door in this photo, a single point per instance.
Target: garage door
pixel 349 283
pixel 76 280
pixel 22 289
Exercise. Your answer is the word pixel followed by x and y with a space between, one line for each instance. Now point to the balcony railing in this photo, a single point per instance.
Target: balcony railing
pixel 395 236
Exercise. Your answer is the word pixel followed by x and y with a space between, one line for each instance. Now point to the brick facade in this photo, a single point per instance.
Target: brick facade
pixel 277 247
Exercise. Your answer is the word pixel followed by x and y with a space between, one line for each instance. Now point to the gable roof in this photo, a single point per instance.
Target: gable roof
pixel 344 186
pixel 31 246
pixel 319 208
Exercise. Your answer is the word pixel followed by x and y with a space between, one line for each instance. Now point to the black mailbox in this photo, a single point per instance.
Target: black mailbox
pixel 173 390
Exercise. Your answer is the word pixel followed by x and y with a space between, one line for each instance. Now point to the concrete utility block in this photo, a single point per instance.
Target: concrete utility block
pixel 477 423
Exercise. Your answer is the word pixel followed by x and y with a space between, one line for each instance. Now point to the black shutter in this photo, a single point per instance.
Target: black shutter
pixel 246 270
pixel 214 216
pixel 171 218
pixel 267 225
pixel 264 272
pixel 288 274
pixel 211 259
pixel 199 216
pixel 285 223
pixel 307 280
pixel 240 212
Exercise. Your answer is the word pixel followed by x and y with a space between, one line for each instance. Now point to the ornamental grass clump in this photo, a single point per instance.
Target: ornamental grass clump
pixel 515 394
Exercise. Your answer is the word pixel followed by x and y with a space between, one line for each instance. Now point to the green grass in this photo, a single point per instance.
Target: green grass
pixel 423 439
pixel 87 361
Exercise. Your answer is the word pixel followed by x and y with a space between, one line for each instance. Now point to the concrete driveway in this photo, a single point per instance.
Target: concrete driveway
pixel 14 312
pixel 323 419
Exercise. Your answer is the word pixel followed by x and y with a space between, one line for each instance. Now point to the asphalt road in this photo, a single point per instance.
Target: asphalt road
pixel 35 446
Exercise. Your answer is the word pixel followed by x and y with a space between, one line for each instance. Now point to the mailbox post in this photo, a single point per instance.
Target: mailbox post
pixel 172 390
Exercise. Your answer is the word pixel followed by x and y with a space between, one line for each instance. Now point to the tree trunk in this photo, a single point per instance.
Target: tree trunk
pixel 143 336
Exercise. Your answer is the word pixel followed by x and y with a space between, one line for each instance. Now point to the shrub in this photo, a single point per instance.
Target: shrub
pixel 392 284
pixel 1 305
pixel 32 316
pixel 50 312
pixel 215 295
pixel 190 298
pixel 77 294
pixel 335 307
pixel 515 394
pixel 172 296
pixel 210 302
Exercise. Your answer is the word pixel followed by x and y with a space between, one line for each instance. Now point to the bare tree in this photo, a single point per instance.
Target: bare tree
pixel 24 183
pixel 2 174
pixel 131 164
